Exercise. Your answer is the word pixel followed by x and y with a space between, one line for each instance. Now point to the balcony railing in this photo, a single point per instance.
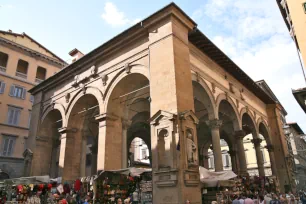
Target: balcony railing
pixel 22 75
pixel 38 80
pixel 2 69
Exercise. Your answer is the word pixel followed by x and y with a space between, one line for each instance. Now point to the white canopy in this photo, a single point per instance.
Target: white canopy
pixel 211 179
pixel 130 171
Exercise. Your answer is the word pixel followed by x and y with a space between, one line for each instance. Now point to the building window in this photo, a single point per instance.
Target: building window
pixel 8 145
pixel 22 69
pixel 2 87
pixel 32 99
pixel 3 61
pixel 13 115
pixel 40 74
pixel 18 92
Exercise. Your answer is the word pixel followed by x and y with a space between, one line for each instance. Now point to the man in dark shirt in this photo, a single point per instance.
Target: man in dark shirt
pixel 275 199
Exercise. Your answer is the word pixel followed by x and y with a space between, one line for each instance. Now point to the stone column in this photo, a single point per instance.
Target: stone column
pixel 240 134
pixel 270 149
pixel 125 126
pixel 61 160
pixel 233 154
pixel 260 162
pixel 215 135
pixel 83 155
pixel 109 143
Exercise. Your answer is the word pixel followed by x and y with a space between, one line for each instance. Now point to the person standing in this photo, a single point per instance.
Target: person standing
pixel 261 199
pixel 275 199
pixel 268 198
pixel 249 200
pixel 241 200
pixel 236 201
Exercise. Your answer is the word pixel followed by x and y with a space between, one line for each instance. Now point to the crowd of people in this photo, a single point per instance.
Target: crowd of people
pixel 269 198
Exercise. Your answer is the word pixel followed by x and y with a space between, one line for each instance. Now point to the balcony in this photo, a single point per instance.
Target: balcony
pixel 21 75
pixel 38 80
pixel 2 69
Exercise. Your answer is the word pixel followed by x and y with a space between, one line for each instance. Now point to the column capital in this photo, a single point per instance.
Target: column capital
pixel 125 123
pixel 256 141
pixel 240 134
pixel 214 124
pixel 62 130
pixel 270 148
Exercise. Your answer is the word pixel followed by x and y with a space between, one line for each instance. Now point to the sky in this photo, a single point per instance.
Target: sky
pixel 252 33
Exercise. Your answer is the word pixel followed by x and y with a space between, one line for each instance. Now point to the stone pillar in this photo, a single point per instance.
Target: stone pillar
pixel 215 135
pixel 125 126
pixel 270 149
pixel 83 155
pixel 109 139
pixel 240 134
pixel 173 129
pixel 233 154
pixel 70 154
pixel 260 161
pixel 61 160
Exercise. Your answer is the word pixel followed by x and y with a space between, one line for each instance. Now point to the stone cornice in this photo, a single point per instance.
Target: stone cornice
pixel 31 52
pixel 14 126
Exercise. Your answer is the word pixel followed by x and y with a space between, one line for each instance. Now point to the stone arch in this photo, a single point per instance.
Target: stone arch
pixel 236 118
pixel 212 108
pixel 247 116
pixel 138 69
pixel 89 91
pixel 55 106
pixel 6 168
pixel 264 130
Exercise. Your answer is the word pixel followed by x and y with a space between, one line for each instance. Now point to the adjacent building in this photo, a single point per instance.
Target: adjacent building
pixel 294 14
pixel 24 63
pixel 297 148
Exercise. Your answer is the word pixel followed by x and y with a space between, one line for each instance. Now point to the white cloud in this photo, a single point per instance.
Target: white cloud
pixel 9 6
pixel 255 37
pixel 114 17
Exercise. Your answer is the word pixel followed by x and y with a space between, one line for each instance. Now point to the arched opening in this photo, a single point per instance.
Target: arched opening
pixel 139 153
pixel 226 157
pixel 254 144
pixel 265 144
pixel 3 175
pixel 204 110
pixel 48 144
pixel 129 103
pixel 82 138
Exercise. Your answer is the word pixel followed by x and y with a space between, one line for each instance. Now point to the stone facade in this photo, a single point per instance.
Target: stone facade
pixel 163 81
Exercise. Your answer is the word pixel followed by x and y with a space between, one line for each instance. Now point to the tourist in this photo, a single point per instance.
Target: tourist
pixel 261 199
pixel 119 201
pixel 255 199
pixel 274 199
pixel 241 200
pixel 236 201
pixel 303 197
pixel 249 200
pixel 187 202
pixel 268 198
pixel 283 199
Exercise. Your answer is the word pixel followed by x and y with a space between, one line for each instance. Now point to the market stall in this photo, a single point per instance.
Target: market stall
pixel 132 184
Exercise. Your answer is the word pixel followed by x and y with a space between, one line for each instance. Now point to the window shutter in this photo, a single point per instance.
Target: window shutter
pixel 32 98
pixel 17 116
pixel 2 87
pixel 10 147
pixel 10 116
pixel 24 92
pixel 12 89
